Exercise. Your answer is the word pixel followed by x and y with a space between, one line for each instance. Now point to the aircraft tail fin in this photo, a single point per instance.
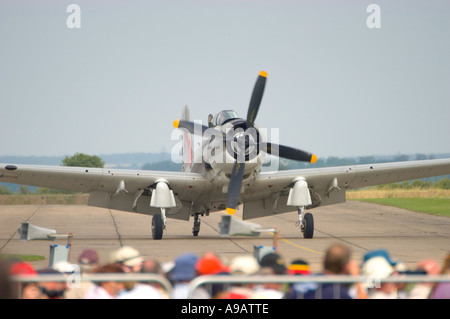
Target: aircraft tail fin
pixel 187 143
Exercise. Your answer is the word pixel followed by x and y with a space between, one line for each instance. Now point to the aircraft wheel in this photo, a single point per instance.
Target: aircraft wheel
pixel 196 228
pixel 308 226
pixel 157 227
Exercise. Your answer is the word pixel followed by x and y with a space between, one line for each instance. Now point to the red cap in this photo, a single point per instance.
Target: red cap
pixel 210 264
pixel 22 268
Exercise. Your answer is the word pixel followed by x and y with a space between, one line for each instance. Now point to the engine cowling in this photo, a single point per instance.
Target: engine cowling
pixel 237 144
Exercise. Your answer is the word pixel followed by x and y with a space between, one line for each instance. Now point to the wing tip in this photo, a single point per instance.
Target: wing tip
pixel 176 123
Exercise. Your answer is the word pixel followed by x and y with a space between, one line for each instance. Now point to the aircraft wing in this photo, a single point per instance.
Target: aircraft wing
pixel 116 189
pixel 268 195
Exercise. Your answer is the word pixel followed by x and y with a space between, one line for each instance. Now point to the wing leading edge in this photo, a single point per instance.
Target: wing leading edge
pixel 328 185
pixel 127 190
pixel 130 190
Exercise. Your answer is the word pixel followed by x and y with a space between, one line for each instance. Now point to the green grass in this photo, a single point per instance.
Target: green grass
pixel 435 206
pixel 22 257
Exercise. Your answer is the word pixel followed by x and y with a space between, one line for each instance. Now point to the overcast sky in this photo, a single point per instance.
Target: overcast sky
pixel 335 86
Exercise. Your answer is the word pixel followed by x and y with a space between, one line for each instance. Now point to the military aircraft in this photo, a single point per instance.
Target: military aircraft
pixel 224 174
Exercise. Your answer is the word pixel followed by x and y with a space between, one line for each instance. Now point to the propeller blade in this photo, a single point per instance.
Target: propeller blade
pixel 289 152
pixel 193 128
pixel 256 98
pixel 234 188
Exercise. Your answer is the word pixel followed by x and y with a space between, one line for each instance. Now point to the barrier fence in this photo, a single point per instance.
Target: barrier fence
pixel 370 282
pixel 75 279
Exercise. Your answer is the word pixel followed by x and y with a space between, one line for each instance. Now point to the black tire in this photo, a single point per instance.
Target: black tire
pixel 157 227
pixel 308 226
pixel 196 228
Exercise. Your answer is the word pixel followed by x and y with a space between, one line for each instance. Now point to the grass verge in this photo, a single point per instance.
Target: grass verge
pixel 430 201
pixel 22 257
pixel 435 206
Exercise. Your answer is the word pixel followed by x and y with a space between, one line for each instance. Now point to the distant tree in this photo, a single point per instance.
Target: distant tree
pixel 444 183
pixel 401 158
pixel 162 166
pixel 366 160
pixel 83 160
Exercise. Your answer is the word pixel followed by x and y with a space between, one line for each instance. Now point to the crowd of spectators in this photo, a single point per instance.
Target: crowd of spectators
pixel 188 266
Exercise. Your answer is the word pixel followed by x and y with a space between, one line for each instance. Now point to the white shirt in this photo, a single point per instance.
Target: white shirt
pixel 141 291
pixel 97 292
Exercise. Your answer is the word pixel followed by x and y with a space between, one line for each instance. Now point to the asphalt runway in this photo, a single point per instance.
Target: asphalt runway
pixel 408 236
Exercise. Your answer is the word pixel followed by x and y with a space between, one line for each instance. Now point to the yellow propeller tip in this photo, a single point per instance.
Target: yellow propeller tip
pixel 313 158
pixel 176 123
pixel 231 211
pixel 263 73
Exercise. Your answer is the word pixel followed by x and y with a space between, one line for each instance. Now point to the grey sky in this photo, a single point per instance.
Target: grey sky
pixel 335 87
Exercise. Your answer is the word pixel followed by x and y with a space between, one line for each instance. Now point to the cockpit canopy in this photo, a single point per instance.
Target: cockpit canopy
pixel 224 116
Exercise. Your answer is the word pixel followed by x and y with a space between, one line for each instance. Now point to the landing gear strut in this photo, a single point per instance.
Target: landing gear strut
pixel 196 227
pixel 306 223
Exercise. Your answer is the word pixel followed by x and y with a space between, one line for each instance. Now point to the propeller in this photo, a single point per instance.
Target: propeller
pixel 190 126
pixel 237 174
pixel 256 98
pixel 288 152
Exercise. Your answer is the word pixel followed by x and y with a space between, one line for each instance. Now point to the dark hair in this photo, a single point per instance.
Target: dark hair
pixel 108 269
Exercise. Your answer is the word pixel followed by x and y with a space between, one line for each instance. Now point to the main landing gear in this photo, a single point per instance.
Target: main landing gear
pixel 196 227
pixel 306 223
pixel 157 226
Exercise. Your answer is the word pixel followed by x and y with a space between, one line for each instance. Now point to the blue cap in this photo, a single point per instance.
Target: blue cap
pixel 184 268
pixel 379 253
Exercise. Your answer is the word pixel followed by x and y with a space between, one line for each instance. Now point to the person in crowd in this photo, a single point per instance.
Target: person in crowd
pixel 422 290
pixel 25 290
pixel 267 290
pixel 271 264
pixel 242 265
pixel 106 289
pixel 51 289
pixel 145 289
pixel 210 264
pixel 442 290
pixel 152 266
pixel 275 262
pixel 181 274
pixel 6 287
pixel 299 267
pixel 377 268
pixel 337 261
pixel 88 262
pixel 130 260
